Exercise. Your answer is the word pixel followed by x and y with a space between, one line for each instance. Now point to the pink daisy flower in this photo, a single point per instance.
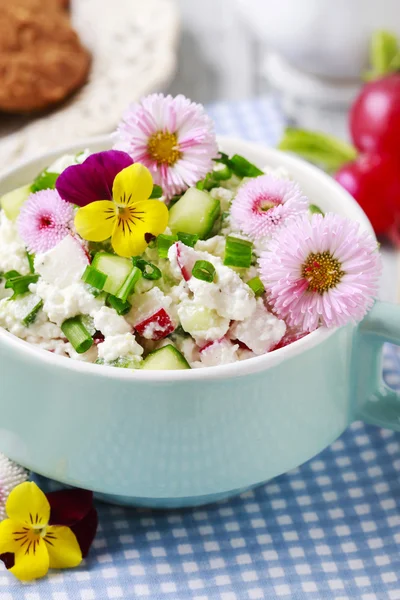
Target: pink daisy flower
pixel 45 219
pixel 321 271
pixel 265 203
pixel 173 137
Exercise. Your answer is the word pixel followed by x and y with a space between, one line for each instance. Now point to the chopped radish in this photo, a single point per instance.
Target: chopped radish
pixel 209 344
pixel 180 259
pixel 289 338
pixel 260 331
pixel 220 352
pixel 157 326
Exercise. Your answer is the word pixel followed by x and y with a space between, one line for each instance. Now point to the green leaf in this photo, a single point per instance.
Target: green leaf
pixel 315 210
pixel 156 192
pixel 239 165
pixel 383 50
pixel 44 181
pixel 319 148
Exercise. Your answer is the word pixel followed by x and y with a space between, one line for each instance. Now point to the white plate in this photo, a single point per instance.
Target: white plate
pixel 133 46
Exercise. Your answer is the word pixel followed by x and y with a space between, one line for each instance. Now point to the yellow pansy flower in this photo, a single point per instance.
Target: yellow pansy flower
pixel 130 218
pixel 36 545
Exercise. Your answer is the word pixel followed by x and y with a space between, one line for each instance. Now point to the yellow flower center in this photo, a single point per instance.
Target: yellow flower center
pixel 29 538
pixel 163 148
pixel 322 272
pixel 264 206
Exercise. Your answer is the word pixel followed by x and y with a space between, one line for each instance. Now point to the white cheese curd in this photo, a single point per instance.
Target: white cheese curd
pixel 221 352
pixel 56 346
pixel 203 323
pixel 229 296
pixel 224 196
pixel 90 356
pixel 64 264
pixel 60 304
pixel 12 313
pixel 109 322
pixel 13 255
pixel 120 346
pixel 214 245
pixel 261 331
pixel 188 347
pixel 4 293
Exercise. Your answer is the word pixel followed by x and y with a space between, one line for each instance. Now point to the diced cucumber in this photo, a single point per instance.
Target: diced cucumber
pixel 194 213
pixel 12 202
pixel 167 358
pixel 115 267
pixel 198 320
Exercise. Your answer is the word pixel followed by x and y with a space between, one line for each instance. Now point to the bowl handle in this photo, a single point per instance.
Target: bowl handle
pixel 376 403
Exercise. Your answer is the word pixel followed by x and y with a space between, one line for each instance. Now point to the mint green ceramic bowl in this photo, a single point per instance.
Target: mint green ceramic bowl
pixel 182 438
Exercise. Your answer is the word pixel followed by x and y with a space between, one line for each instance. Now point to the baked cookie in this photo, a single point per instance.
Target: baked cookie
pixel 41 59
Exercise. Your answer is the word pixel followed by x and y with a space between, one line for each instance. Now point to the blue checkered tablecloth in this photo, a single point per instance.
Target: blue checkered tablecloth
pixel 329 530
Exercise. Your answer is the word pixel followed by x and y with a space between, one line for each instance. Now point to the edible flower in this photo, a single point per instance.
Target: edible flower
pixel 265 203
pixel 30 543
pixel 173 137
pixel 129 217
pixel 93 179
pixel 321 271
pixel 11 475
pixel 44 221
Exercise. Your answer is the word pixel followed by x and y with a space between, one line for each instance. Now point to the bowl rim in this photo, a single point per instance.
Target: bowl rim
pixel 246 367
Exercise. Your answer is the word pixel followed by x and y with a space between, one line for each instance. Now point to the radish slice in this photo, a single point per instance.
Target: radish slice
pixel 157 326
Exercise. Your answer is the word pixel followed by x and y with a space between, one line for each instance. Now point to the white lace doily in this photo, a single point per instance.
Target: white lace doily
pixel 133 47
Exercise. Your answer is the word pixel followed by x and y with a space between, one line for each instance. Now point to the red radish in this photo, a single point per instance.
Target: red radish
pixel 289 338
pixel 375 116
pixel 186 274
pixel 209 344
pixel 374 181
pixel 157 326
pixel 98 338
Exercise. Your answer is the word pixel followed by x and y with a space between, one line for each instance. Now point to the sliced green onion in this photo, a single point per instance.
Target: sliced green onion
pixel 149 271
pixel 157 192
pixel 44 181
pixel 77 334
pixel 189 239
pixel 20 284
pixel 164 243
pixel 32 314
pixel 31 258
pixel 243 168
pixel 256 285
pixel 223 173
pixel 204 270
pixel 121 307
pixel 238 252
pixel 315 210
pixel 94 277
pixel 128 286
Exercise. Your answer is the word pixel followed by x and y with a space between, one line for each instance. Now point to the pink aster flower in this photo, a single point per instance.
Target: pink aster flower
pixel 321 271
pixel 173 137
pixel 265 203
pixel 45 219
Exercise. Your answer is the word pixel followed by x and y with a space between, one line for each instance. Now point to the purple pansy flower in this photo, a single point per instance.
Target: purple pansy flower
pixel 93 179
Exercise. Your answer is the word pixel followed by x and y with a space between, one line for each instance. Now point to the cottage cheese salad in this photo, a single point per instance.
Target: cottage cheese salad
pixel 165 253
